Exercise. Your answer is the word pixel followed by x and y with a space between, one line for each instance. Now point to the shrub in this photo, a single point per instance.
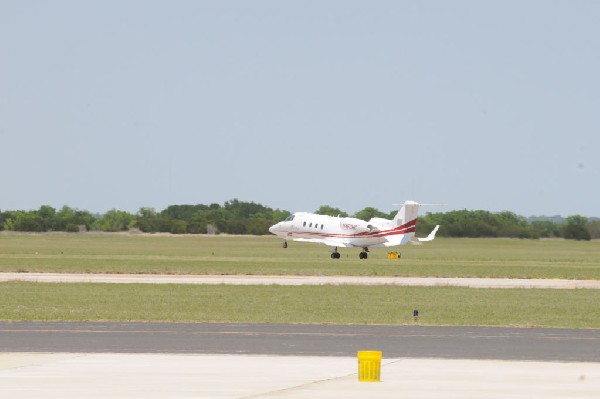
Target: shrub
pixel 72 228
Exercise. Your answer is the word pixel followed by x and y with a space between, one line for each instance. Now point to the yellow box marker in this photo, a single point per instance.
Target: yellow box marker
pixel 393 255
pixel 369 366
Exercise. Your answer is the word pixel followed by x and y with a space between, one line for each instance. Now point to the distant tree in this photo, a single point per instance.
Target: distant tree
pixel 510 224
pixel 146 220
pixel 330 211
pixel 259 225
pixel 196 227
pixel 546 229
pixel 8 223
pixel 477 223
pixel 4 216
pixel 47 216
pixel 147 213
pixel 67 216
pixel 182 212
pixel 220 218
pixel 178 227
pixel 28 221
pixel 72 228
pixel 575 228
pixel 368 213
pixel 240 217
pixel 236 226
pixel 594 229
pixel 163 225
pixel 114 220
pixel 279 215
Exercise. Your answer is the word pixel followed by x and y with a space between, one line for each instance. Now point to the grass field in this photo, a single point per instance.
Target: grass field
pixel 305 304
pixel 122 253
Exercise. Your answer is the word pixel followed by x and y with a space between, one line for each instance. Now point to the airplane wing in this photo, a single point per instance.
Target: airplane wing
pixel 392 241
pixel 337 243
pixel 332 242
pixel 327 241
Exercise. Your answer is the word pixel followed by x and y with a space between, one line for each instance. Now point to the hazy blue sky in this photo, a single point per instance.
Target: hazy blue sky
pixel 295 104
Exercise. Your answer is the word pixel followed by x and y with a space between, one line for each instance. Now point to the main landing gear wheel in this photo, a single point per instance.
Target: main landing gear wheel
pixel 364 254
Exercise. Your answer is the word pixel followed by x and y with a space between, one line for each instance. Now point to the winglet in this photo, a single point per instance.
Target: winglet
pixel 431 235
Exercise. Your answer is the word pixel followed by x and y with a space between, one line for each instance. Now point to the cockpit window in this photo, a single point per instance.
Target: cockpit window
pixel 289 218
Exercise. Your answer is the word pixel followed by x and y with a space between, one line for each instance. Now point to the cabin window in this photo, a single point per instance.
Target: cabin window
pixel 304 224
pixel 321 227
pixel 310 225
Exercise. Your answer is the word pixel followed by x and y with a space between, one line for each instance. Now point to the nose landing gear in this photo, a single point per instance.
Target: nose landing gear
pixel 335 254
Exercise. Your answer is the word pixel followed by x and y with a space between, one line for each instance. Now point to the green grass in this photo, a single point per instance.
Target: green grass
pixel 305 304
pixel 121 253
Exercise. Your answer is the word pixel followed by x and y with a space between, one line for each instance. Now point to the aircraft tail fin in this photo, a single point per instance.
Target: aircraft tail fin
pixel 407 213
pixel 407 218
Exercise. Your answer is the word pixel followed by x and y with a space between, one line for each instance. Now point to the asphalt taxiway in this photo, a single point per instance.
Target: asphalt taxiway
pixel 303 340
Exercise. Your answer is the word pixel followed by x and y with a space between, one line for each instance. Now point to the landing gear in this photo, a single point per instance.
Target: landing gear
pixel 285 244
pixel 335 254
pixel 364 254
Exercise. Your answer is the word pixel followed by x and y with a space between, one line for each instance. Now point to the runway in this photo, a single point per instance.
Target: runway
pixel 303 340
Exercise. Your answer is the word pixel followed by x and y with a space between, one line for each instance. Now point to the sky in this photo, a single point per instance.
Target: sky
pixel 126 104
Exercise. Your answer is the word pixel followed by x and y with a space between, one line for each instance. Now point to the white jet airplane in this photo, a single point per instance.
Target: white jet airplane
pixel 351 232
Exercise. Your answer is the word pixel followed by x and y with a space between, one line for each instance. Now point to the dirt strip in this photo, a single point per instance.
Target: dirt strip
pixel 300 280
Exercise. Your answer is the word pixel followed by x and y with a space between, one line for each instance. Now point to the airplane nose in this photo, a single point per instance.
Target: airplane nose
pixel 272 229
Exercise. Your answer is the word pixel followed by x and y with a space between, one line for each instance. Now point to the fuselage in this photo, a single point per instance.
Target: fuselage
pixel 351 232
pixel 343 231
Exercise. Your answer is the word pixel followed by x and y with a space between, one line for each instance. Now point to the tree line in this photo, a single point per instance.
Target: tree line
pixel 239 217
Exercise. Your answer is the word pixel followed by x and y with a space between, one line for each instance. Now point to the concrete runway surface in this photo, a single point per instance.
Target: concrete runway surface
pixel 150 376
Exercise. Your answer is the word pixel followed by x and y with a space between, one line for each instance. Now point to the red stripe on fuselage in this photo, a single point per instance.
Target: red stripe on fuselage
pixel 406 228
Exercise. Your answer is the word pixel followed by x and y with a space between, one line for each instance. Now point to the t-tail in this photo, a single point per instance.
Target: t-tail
pixel 407 214
pixel 406 219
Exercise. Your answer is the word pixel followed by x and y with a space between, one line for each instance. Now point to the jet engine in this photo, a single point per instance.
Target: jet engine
pixel 356 225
